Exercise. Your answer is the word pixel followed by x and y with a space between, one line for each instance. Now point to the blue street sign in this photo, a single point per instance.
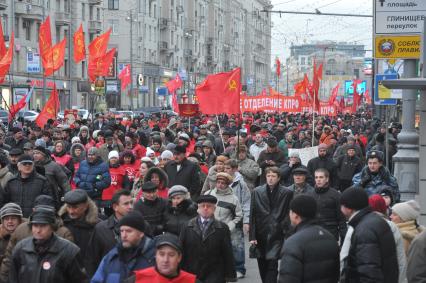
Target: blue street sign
pixel 379 79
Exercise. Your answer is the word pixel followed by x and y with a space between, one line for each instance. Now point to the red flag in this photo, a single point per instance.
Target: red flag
pixel 367 97
pixel 45 41
pixel 334 93
pixel 7 59
pixel 50 110
pixel 125 77
pixel 13 109
pixel 2 43
pixel 99 45
pixel 174 84
pixel 220 93
pixel 300 87
pixel 79 45
pixel 99 66
pixel 55 57
pixel 356 96
pixel 314 87
pixel 278 65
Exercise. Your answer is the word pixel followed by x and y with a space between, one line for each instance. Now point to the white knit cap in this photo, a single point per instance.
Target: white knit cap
pixel 75 139
pixel 409 210
pixel 167 154
pixel 113 154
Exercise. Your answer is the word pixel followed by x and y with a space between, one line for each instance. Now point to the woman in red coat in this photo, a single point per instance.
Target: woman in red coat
pixel 61 157
pixel 130 164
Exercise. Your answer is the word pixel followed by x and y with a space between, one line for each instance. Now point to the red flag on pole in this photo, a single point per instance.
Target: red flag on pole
pixel 7 59
pixel 13 109
pixel 79 45
pixel 220 93
pixel 45 41
pixel 50 110
pixel 125 77
pixel 99 45
pixel 100 65
pixel 278 65
pixel 55 57
pixel 356 96
pixel 174 84
pixel 334 93
pixel 314 88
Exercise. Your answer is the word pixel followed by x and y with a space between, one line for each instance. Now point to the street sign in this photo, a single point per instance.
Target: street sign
pixel 382 91
pixel 33 62
pixel 399 17
pixel 397 47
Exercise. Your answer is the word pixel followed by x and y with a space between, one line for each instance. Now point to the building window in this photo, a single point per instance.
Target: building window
pixel 17 27
pixel 112 4
pixel 83 69
pixel 67 6
pixel 83 11
pixel 113 24
pixel 27 26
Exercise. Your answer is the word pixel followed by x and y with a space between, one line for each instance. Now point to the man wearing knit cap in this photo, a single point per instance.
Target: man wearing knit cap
pixel 135 251
pixel 371 252
pixel 311 252
pixel 324 161
pixel 45 257
pixel 11 217
pixel 206 245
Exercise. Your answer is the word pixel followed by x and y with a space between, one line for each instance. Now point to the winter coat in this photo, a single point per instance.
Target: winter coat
pixel 59 264
pixel 209 257
pixel 24 191
pixel 326 163
pixel 269 222
pixel 409 230
pixel 82 230
pixel 5 176
pixel 250 170
pixel 374 183
pixel 64 159
pixel 10 141
pixel 416 260
pixel 210 182
pixel 153 212
pixel 76 160
pixel 113 268
pixel 311 254
pixel 255 150
pixel 188 176
pixel 287 174
pixel 176 218
pixel 242 192
pixel 400 251
pixel 104 150
pixel 4 241
pixel 305 189
pixel 24 231
pixel 343 149
pixel 119 181
pixel 93 177
pixel 348 166
pixel 372 254
pixel 329 214
pixel 277 156
pixel 162 189
pixel 228 208
pixel 56 174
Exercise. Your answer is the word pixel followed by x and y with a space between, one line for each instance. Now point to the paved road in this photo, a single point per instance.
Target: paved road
pixel 252 275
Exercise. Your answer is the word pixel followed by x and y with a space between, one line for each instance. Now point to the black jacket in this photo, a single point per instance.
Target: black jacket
pixel 329 214
pixel 210 258
pixel 59 264
pixel 269 222
pixel 176 218
pixel 311 254
pixel 153 213
pixel 104 238
pixel 348 166
pixel 24 191
pixel 372 255
pixel 327 163
pixel 278 157
pixel 287 174
pixel 188 176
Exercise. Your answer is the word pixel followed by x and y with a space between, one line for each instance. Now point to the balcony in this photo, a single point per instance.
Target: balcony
pixel 164 23
pixel 164 45
pixel 62 18
pixel 95 26
pixel 3 4
pixel 29 11
pixel 187 53
pixel 95 2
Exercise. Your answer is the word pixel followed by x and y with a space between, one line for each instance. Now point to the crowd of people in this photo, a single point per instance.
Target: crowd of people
pixel 175 199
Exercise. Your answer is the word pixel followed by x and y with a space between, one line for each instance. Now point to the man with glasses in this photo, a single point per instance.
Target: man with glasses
pixel 26 186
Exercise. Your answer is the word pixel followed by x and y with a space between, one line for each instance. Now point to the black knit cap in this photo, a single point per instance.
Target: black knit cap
pixel 179 149
pixel 354 198
pixel 304 206
pixel 133 219
pixel 207 198
pixel 149 187
pixel 44 200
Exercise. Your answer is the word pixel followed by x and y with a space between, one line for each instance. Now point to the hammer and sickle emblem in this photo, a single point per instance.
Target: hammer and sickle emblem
pixel 232 85
pixel 99 44
pixel 55 54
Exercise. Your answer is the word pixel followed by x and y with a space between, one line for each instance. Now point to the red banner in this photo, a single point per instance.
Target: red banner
pixel 188 110
pixel 270 103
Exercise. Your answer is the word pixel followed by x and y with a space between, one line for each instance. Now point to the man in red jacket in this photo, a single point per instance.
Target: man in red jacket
pixel 167 258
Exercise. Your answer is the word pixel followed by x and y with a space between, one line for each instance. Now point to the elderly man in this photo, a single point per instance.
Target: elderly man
pixel 25 187
pixel 287 170
pixel 14 154
pixel 17 139
pixel 206 245
pixel 45 257
pixel 248 168
pixel 300 184
pixel 80 215
pixel 134 251
pixel 11 217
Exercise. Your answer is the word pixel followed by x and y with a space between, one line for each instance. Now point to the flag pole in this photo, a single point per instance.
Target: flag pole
pixel 220 132
pixel 313 119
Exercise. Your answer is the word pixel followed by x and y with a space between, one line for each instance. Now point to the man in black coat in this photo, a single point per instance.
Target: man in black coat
pixel 183 172
pixel 324 161
pixel 348 165
pixel 328 200
pixel 107 233
pixel 270 157
pixel 371 254
pixel 25 187
pixel 269 223
pixel 311 254
pixel 206 245
pixel 287 170
pixel 17 139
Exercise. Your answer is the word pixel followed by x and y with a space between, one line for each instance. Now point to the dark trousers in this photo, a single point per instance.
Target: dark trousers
pixel 268 270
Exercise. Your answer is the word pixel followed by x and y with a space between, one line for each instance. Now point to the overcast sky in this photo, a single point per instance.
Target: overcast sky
pixel 299 29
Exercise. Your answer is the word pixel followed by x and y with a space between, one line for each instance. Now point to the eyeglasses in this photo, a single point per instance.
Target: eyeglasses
pixel 26 163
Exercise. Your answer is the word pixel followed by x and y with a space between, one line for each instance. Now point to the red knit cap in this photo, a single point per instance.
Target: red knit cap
pixel 377 203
